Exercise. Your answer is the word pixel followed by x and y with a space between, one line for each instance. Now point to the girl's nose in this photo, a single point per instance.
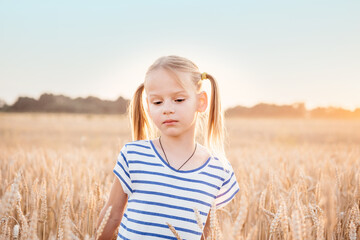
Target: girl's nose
pixel 168 107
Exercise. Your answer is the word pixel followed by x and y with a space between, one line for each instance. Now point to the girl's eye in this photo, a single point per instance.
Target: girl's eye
pixel 157 102
pixel 180 100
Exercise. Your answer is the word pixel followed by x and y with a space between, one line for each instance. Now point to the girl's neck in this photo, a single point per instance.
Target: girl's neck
pixel 185 142
pixel 180 148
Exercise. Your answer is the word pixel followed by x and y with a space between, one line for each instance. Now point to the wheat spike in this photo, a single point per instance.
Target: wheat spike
pixel 301 213
pixel 357 192
pixel 7 233
pixel 103 222
pixel 61 233
pixel 24 224
pixel 33 195
pixel 317 192
pixel 97 195
pixel 272 203
pixel 176 234
pixel 241 217
pixel 9 199
pixel 262 199
pixel 198 219
pixel 355 214
pixel 43 208
pixel 77 229
pixel 218 232
pixel 352 231
pixel 33 225
pixel 308 229
pixel 313 215
pixel 16 231
pixel 214 224
pixel 63 219
pixel 213 220
pixel 297 232
pixel 284 218
pixel 337 178
pixel 4 229
pixel 268 213
pixel 320 229
pixel 68 234
pixel 330 206
pixel 275 222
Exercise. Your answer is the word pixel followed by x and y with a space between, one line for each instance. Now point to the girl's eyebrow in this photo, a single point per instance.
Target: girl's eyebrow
pixel 174 93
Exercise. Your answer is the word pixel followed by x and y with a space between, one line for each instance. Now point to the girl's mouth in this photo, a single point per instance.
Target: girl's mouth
pixel 170 121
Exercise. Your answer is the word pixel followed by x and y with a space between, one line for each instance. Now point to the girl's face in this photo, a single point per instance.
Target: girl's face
pixel 173 108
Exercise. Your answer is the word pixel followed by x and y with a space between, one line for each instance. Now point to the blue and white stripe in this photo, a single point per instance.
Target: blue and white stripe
pixel 158 193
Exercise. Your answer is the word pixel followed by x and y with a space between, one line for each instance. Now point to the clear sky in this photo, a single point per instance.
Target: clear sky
pixel 277 52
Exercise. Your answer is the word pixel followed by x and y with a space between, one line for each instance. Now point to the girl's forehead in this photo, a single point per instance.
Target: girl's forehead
pixel 162 80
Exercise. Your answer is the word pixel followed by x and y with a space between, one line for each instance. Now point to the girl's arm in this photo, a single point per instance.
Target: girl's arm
pixel 206 228
pixel 118 200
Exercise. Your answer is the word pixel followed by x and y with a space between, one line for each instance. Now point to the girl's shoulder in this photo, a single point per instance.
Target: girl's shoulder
pixel 220 161
pixel 138 144
pixel 203 151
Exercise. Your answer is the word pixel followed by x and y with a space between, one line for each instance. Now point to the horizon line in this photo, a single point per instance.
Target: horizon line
pixel 229 107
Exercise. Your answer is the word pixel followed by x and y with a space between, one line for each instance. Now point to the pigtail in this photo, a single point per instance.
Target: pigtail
pixel 215 127
pixel 138 118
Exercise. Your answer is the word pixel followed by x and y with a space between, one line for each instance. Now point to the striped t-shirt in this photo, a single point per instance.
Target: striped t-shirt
pixel 159 194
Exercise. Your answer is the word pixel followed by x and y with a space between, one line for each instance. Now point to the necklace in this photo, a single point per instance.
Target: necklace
pixel 168 160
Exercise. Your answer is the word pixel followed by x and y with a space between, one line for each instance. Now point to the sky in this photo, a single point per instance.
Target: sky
pixel 277 52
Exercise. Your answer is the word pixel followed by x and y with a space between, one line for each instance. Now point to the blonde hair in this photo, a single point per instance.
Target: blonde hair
pixel 214 136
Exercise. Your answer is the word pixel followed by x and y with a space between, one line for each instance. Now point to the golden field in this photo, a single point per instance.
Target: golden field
pixel 299 178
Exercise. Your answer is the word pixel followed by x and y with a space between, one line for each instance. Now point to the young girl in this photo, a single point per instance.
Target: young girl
pixel 165 173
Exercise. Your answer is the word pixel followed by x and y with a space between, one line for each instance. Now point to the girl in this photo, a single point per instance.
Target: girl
pixel 166 173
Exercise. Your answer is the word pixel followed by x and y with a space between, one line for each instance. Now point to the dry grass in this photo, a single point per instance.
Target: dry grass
pixel 299 179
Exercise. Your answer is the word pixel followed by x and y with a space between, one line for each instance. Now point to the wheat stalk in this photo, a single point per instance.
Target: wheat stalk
pixel 252 233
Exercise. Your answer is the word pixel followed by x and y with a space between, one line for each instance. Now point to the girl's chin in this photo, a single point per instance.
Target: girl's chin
pixel 170 132
pixel 175 131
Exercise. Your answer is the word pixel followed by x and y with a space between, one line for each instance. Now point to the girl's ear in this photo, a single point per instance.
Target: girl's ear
pixel 202 101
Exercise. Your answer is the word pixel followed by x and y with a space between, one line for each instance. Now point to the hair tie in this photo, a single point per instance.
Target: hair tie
pixel 203 76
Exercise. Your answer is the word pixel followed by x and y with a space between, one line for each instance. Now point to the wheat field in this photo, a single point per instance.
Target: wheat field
pixel 299 178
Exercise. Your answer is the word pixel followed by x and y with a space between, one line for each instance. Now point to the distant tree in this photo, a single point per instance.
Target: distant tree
pixel 2 103
pixel 60 103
